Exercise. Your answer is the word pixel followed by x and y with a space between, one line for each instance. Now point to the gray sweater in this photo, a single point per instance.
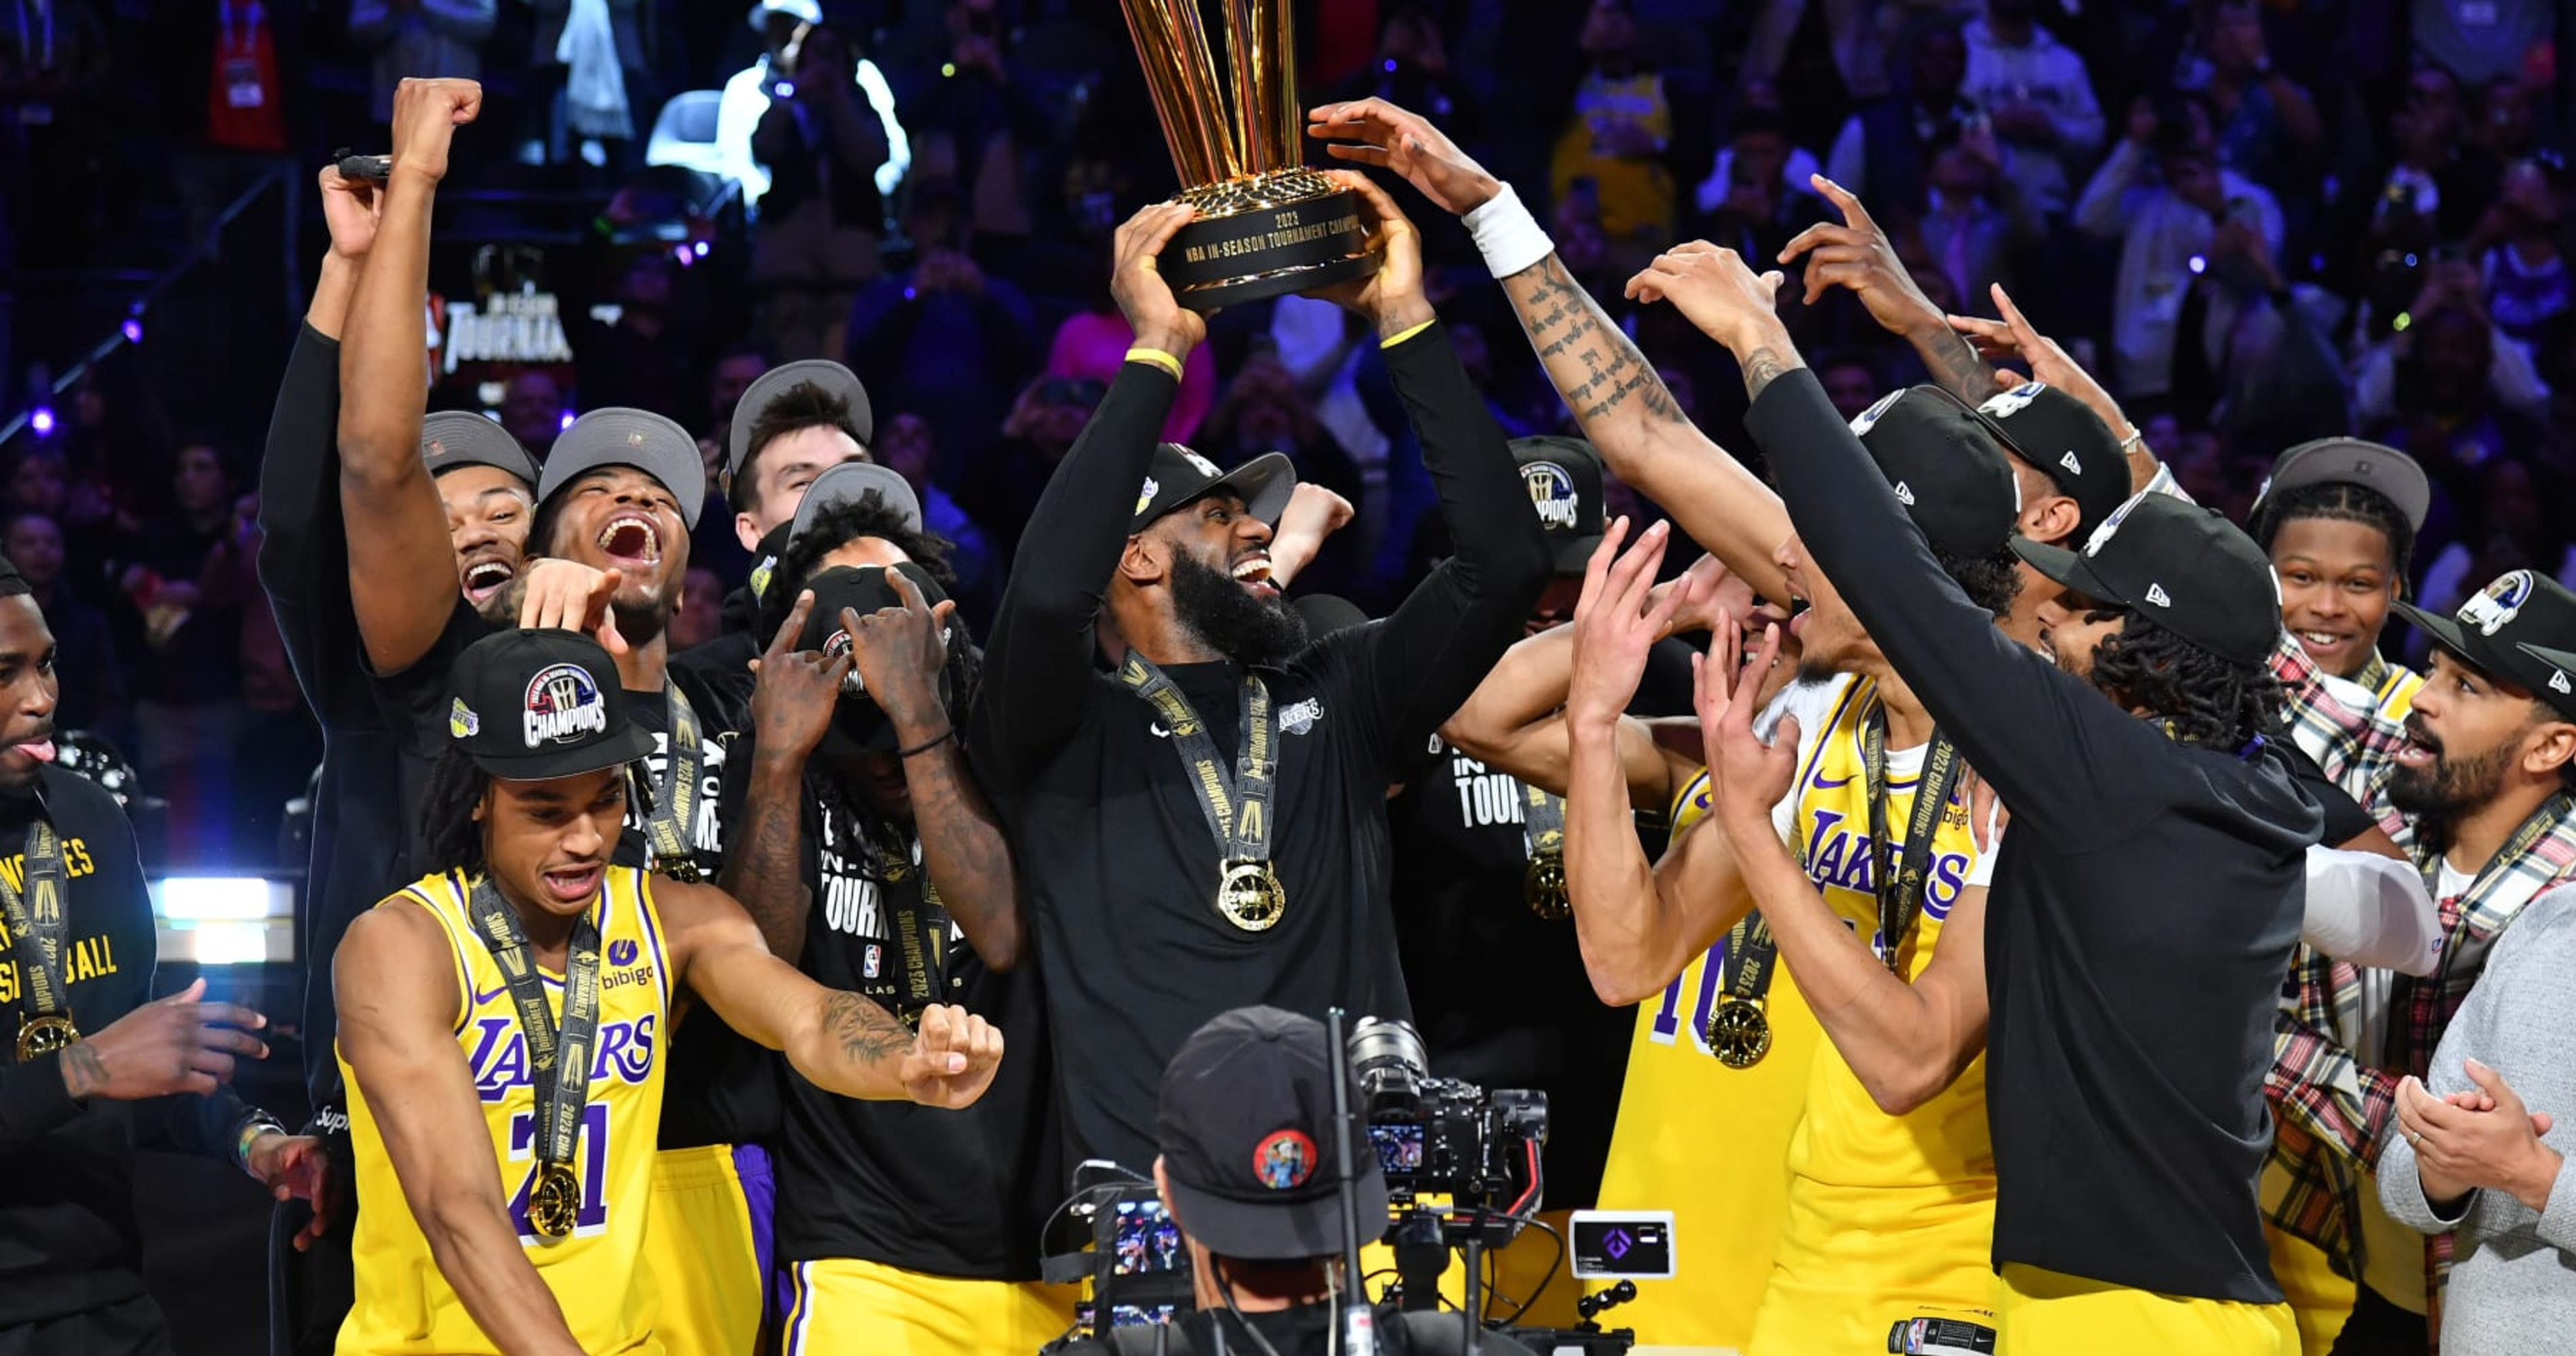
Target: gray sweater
pixel 2513 1272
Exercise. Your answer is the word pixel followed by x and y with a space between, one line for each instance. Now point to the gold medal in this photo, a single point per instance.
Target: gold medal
pixel 1544 885
pixel 1249 896
pixel 554 1206
pixel 1739 1035
pixel 44 1035
pixel 681 869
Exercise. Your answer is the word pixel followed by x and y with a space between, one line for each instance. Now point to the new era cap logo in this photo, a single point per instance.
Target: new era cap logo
pixel 563 705
pixel 2070 463
pixel 2558 683
pixel 1905 494
pixel 2156 594
pixel 634 440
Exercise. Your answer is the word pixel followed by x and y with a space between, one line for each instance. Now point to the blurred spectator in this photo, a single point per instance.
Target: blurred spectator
pixel 419 38
pixel 2169 226
pixel 1765 197
pixel 816 242
pixel 590 65
pixel 190 576
pixel 40 484
pixel 533 410
pixel 280 745
pixel 1476 354
pixel 908 446
pixel 2264 120
pixel 92 679
pixel 955 341
pixel 2480 39
pixel 2438 400
pixel 785 27
pixel 1619 133
pixel 2440 182
pixel 2508 128
pixel 1976 218
pixel 2039 96
pixel 732 373
pixel 647 359
pixel 2503 366
pixel 701 599
pixel 2509 527
pixel 1093 342
pixel 1412 72
pixel 1007 479
pixel 715 546
pixel 245 94
pixel 1325 349
pixel 975 125
pixel 1263 411
pixel 1851 382
pixel 2521 267
pixel 1884 149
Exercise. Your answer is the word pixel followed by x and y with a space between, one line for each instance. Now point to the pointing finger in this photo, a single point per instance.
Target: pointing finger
pixel 1854 214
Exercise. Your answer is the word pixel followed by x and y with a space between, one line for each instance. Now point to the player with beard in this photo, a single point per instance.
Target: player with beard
pixel 2144 912
pixel 516 1205
pixel 98 1069
pixel 2476 786
pixel 865 848
pixel 1206 828
pixel 792 424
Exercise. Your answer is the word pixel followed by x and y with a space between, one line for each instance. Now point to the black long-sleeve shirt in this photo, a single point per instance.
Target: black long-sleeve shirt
pixel 1120 868
pixel 2144 907
pixel 358 828
pixel 69 1243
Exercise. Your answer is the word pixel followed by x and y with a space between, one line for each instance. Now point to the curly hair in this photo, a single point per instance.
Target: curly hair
pixel 447 826
pixel 801 406
pixel 837 526
pixel 2340 501
pixel 1992 581
pixel 2202 698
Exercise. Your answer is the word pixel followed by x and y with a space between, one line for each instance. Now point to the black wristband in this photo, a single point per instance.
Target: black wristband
pixel 927 745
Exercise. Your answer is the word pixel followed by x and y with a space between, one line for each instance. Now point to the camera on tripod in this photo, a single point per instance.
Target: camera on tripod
pixel 1444 1135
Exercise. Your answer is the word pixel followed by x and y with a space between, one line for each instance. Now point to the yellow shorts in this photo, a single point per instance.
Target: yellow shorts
pixel 2319 1299
pixel 705 1245
pixel 1853 1262
pixel 851 1306
pixel 2044 1313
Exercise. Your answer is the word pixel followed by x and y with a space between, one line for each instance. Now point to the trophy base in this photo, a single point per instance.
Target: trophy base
pixel 1266 236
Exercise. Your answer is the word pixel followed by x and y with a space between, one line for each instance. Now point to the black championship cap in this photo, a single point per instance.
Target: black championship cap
pixel 453 438
pixel 2559 690
pixel 638 438
pixel 1946 469
pixel 1178 476
pixel 2184 567
pixel 2495 630
pixel 865 589
pixel 831 377
pixel 850 482
pixel 1246 1132
pixel 2351 461
pixel 531 705
pixel 1564 480
pixel 2055 432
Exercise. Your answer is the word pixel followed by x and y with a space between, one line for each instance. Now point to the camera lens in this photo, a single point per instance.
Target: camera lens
pixel 1387 1057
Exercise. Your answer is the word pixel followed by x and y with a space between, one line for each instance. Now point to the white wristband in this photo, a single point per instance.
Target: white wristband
pixel 1507 235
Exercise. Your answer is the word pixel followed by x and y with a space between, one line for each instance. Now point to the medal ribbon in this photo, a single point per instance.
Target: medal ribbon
pixel 38 927
pixel 1899 883
pixel 675 802
pixel 1545 815
pixel 1751 951
pixel 1237 806
pixel 558 1058
pixel 920 931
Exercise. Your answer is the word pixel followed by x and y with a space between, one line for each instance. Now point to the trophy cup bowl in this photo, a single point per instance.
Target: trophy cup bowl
pixel 1267 225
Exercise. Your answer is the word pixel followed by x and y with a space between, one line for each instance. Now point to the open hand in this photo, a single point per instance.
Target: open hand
pixel 294 1168
pixel 1616 622
pixel 426 116
pixel 795 691
pixel 181 1043
pixel 900 651
pixel 1859 256
pixel 559 594
pixel 1747 776
pixel 1377 133
pixel 1390 298
pixel 1712 590
pixel 952 1058
pixel 1714 288
pixel 1158 318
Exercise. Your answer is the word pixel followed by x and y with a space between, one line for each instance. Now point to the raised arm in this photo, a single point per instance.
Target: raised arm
pixel 1858 255
pixel 1622 406
pixel 397 527
pixel 792 701
pixel 1042 642
pixel 900 653
pixel 301 539
pixel 398 1012
pixel 841 1042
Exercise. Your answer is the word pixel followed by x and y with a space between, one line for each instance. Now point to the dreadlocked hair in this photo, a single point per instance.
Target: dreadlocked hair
pixel 2202 698
pixel 2341 501
pixel 447 825
pixel 1991 581
pixel 841 523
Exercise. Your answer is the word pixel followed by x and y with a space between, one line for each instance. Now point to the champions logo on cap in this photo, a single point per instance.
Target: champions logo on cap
pixel 2492 609
pixel 1284 1160
pixel 1200 464
pixel 562 706
pixel 1145 494
pixel 1868 419
pixel 1551 492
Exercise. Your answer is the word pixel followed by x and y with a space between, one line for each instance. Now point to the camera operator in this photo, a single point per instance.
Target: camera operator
pixel 1248 1172
pixel 822 144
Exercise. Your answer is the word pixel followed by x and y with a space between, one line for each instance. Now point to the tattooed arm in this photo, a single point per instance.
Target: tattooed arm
pixel 841 1041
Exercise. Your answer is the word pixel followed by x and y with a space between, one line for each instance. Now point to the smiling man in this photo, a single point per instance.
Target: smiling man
pixel 1207 827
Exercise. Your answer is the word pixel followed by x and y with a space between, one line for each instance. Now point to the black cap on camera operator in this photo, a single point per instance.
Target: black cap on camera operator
pixel 1248 1172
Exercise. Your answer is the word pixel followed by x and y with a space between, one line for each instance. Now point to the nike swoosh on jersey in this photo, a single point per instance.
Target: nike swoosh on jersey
pixel 482 998
pixel 1156 729
pixel 1828 783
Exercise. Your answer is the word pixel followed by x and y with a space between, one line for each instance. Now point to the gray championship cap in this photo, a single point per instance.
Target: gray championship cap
pixel 850 482
pixel 832 378
pixel 623 437
pixel 453 438
pixel 2392 474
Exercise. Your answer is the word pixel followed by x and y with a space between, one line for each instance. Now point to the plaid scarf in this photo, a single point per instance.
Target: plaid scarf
pixel 2333 1108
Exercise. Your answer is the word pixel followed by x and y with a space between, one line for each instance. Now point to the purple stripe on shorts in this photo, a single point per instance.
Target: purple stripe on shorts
pixel 760 1195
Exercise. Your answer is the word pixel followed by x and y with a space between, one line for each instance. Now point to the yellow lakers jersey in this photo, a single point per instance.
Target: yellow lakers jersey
pixel 403 1304
pixel 1889 1217
pixel 2396 692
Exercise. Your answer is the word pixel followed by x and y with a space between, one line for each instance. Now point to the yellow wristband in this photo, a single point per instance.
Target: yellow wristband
pixel 1395 339
pixel 1156 356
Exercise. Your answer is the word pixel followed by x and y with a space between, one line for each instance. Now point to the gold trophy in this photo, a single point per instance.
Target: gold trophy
pixel 1267 225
